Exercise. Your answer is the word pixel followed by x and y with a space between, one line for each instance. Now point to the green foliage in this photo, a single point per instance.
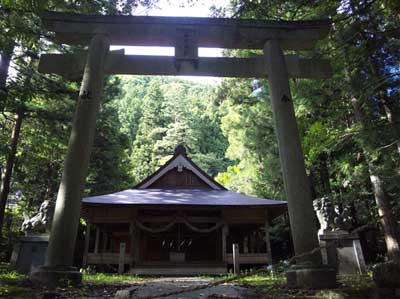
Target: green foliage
pixel 165 112
pixel 10 285
pixel 11 291
pixel 108 169
pixel 247 123
pixel 11 277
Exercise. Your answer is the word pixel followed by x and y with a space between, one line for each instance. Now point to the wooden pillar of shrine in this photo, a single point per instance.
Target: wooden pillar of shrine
pixel 86 247
pixel 133 242
pixel 267 238
pixel 224 236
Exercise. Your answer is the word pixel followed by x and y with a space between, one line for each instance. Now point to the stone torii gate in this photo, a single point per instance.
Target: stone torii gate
pixel 186 35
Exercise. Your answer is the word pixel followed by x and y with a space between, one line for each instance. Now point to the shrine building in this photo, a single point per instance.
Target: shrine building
pixel 178 220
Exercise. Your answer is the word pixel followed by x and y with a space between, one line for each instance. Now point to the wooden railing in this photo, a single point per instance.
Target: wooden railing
pixel 107 258
pixel 249 258
pixel 113 258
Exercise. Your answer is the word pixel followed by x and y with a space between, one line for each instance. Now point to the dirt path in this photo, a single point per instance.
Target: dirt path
pixel 166 285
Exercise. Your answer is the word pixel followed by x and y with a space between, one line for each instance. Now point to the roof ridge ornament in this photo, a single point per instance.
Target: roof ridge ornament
pixel 180 150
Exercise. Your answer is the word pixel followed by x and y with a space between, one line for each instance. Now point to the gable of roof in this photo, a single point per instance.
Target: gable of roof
pixel 180 161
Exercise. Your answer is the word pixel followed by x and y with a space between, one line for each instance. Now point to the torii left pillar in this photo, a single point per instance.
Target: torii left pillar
pixel 58 267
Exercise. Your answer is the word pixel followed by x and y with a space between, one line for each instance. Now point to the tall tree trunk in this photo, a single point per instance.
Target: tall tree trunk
pixel 381 86
pixel 7 172
pixel 375 67
pixel 382 199
pixel 311 178
pixel 385 100
pixel 324 174
pixel 5 59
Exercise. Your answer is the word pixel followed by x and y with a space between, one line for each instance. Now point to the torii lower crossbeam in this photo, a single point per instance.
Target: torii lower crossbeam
pixel 71 66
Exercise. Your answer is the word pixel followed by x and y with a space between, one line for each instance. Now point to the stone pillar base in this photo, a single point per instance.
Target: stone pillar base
pixel 57 276
pixel 308 277
pixel 387 275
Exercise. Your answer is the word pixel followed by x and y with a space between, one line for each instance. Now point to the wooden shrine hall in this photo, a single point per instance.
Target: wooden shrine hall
pixel 178 221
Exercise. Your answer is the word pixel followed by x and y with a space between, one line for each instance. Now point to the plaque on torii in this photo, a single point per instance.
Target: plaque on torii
pixel 186 35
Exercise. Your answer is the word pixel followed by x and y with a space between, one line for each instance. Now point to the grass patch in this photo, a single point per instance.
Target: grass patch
pixel 262 279
pixel 11 277
pixel 356 286
pixel 103 278
pixel 12 291
pixel 349 286
pixel 10 282
pixel 350 281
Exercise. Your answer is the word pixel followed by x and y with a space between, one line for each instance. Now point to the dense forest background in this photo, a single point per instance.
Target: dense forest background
pixel 349 124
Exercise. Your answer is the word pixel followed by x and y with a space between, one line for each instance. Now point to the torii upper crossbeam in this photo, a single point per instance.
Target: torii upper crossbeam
pixel 166 31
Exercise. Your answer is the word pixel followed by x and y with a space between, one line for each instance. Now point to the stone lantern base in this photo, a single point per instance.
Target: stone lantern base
pixel 387 274
pixel 56 277
pixel 311 277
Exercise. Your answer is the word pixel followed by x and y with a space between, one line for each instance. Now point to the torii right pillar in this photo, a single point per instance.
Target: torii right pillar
pixel 308 271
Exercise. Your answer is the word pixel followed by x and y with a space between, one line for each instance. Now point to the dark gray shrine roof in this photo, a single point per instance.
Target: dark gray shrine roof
pixel 144 195
pixel 192 197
